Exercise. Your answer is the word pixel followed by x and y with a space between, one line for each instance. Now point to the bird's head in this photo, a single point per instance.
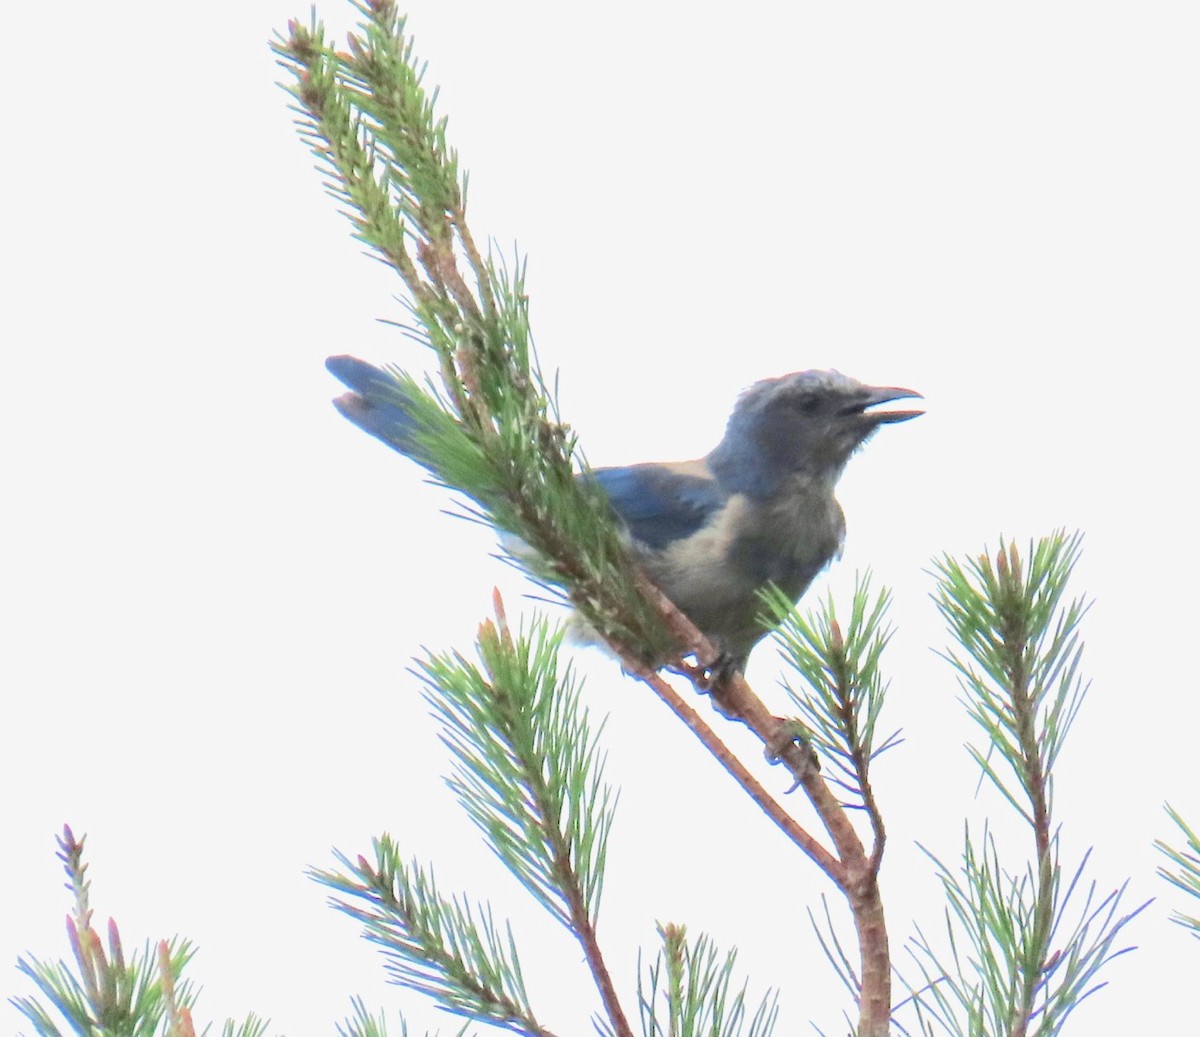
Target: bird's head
pixel 808 422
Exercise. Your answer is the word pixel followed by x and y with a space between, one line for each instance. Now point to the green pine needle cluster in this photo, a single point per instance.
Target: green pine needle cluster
pixel 689 992
pixel 105 993
pixel 363 1024
pixel 1017 963
pixel 442 947
pixel 528 771
pixel 1001 974
pixel 1185 874
pixel 527 767
pixel 1020 669
pixel 845 689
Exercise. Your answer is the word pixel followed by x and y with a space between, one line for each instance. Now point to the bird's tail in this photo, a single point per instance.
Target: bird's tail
pixel 381 403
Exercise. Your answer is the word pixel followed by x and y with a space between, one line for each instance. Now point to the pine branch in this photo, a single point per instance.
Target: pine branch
pixel 839 713
pixel 442 948
pixel 529 773
pixel 845 688
pixel 1018 671
pixel 528 769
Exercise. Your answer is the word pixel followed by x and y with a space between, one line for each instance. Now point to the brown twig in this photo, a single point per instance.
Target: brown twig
pixel 753 788
pixel 564 866
pixel 854 873
pixel 858 752
pixel 459 218
pixel 1014 630
pixel 585 933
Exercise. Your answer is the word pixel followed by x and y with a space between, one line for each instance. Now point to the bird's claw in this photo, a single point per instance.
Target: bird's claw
pixel 788 732
pixel 716 673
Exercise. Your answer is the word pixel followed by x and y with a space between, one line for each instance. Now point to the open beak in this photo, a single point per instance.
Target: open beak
pixel 873 396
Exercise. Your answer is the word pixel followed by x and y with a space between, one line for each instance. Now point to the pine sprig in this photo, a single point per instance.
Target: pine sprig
pixel 994 913
pixel 689 992
pixel 107 993
pixel 1008 620
pixel 444 948
pixel 845 689
pixel 1025 965
pixel 528 769
pixel 1185 874
pixel 363 1024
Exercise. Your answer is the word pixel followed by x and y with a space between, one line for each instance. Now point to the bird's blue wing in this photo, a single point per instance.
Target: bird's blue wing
pixel 662 503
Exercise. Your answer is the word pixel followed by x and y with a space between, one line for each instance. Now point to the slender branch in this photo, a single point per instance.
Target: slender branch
pixel 582 926
pixel 434 945
pixel 438 259
pixel 878 831
pixel 459 218
pixel 731 697
pixel 861 888
pixel 1016 646
pixel 852 870
pixel 753 788
pixel 585 932
pixel 858 752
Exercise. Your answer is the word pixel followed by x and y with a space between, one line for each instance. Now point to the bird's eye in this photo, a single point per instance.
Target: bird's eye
pixel 808 404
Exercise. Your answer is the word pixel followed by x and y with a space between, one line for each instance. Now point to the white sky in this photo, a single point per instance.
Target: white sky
pixel 212 585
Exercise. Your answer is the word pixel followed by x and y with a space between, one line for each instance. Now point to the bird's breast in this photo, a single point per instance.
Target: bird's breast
pixel 790 540
pixel 785 541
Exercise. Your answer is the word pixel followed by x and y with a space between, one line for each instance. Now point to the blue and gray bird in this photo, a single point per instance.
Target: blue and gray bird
pixel 710 533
